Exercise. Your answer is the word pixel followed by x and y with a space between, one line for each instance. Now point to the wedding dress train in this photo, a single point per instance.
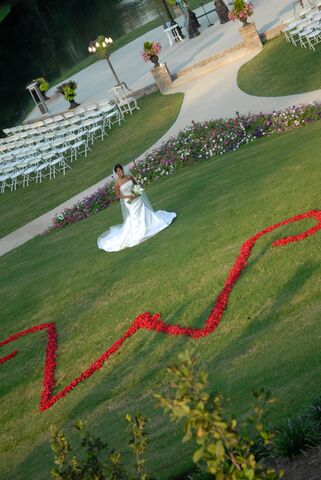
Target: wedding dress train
pixel 140 222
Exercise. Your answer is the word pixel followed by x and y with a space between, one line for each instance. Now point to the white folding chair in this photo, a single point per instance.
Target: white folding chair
pixel 5 175
pixel 42 166
pixel 31 168
pixel 111 115
pixel 90 108
pixel 92 126
pixel 314 38
pixel 124 103
pixel 58 118
pixel 75 143
pixel 68 115
pixel 59 146
pixel 56 164
pixel 48 121
pixel 18 172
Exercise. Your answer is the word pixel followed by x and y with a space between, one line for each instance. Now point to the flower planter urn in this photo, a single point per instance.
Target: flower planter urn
pixel 73 104
pixel 154 59
pixel 245 22
pixel 44 96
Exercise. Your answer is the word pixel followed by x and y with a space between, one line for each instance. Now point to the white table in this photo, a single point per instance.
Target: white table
pixel 172 30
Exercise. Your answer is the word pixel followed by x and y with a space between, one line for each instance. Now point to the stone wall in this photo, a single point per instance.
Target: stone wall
pixel 251 38
pixel 219 59
pixel 273 32
pixel 144 91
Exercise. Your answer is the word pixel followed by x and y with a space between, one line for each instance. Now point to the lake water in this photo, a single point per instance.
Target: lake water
pixel 47 37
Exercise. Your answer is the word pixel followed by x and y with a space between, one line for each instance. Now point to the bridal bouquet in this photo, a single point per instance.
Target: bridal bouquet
pixel 137 190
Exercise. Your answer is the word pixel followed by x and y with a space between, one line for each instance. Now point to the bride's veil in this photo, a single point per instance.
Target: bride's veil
pixel 123 204
pixel 126 172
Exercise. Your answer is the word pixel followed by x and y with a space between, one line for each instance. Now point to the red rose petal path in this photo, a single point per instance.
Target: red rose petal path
pixel 153 322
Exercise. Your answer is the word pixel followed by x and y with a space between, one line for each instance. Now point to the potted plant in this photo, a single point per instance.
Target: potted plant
pixel 68 90
pixel 241 10
pixel 43 86
pixel 151 52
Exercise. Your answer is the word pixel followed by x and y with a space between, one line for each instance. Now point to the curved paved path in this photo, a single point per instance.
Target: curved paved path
pixel 211 95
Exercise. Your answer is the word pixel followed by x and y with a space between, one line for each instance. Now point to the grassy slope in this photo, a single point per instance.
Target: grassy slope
pixel 123 144
pixel 269 336
pixel 281 69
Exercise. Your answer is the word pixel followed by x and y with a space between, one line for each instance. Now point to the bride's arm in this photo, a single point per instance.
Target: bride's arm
pixel 119 195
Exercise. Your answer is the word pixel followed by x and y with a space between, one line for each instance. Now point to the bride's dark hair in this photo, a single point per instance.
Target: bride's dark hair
pixel 118 166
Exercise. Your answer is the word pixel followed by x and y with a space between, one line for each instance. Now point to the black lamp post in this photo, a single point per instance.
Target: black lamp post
pixel 101 47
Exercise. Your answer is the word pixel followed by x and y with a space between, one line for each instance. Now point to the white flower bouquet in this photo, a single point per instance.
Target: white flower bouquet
pixel 137 190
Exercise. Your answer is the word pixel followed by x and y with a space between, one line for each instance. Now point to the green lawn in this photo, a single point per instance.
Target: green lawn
pixel 281 69
pixel 123 144
pixel 269 336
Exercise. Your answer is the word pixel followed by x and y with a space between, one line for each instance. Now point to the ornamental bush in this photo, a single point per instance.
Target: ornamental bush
pixel 223 447
pixel 43 84
pixel 196 143
pixel 94 460
pixel 68 90
pixel 298 435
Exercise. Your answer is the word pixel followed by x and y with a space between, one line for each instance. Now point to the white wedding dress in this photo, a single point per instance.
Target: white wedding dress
pixel 140 222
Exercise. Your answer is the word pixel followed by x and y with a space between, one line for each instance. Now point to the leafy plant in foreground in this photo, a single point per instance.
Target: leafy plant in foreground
pixel 96 463
pixel 224 448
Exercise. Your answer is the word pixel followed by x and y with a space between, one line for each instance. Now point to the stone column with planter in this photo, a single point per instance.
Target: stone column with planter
pixel 162 77
pixel 251 38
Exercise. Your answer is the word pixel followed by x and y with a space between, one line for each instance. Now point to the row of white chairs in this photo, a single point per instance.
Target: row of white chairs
pixel 301 11
pixel 305 32
pixel 32 169
pixel 124 103
pixel 62 121
pixel 90 123
pixel 51 156
pixel 45 148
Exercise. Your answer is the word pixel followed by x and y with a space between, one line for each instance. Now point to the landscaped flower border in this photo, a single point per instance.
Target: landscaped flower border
pixel 146 321
pixel 197 142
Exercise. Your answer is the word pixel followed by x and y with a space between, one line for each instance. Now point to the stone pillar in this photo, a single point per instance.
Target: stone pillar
pixel 251 38
pixel 162 77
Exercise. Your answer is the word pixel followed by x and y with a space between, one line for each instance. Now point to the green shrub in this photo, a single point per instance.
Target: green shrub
pixel 96 461
pixel 223 447
pixel 68 90
pixel 314 411
pixel 297 436
pixel 42 84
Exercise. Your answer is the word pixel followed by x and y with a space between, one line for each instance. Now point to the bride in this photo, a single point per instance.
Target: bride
pixel 140 220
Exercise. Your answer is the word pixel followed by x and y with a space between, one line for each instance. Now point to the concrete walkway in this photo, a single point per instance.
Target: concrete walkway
pixel 212 95
pixel 95 81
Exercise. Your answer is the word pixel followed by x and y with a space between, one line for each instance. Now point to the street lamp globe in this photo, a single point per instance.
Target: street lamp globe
pixel 101 46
